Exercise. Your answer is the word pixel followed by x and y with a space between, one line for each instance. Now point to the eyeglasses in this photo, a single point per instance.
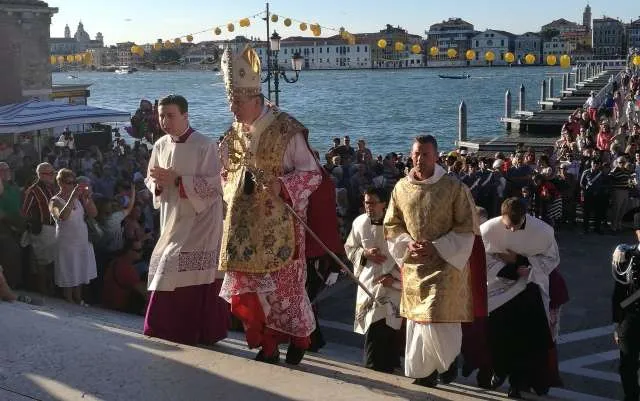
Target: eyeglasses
pixel 46 173
pixel 70 182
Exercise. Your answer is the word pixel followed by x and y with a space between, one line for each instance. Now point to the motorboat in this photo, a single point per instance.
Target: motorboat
pixel 124 69
pixel 462 76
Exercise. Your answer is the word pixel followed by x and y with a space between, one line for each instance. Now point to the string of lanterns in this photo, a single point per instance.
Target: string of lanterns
pixel 636 60
pixel 490 56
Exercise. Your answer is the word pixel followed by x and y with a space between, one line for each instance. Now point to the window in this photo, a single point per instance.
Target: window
pixel 502 43
pixel 365 49
pixel 285 51
pixel 321 50
pixel 477 44
pixel 358 49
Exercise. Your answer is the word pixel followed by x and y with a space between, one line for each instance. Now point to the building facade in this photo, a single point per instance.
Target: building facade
pixel 498 42
pixel 556 46
pixel 24 50
pixel 454 33
pixel 80 42
pixel 633 35
pixel 608 38
pixel 528 43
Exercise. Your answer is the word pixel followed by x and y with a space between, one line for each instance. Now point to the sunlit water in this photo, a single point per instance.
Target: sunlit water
pixel 385 107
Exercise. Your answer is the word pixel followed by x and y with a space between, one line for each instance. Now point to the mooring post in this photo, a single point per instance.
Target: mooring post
pixel 564 84
pixel 521 98
pixel 462 122
pixel 507 107
pixel 543 93
pixel 551 88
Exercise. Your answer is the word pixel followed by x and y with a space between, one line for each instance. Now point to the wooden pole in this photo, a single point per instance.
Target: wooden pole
pixel 521 98
pixel 551 88
pixel 543 93
pixel 507 107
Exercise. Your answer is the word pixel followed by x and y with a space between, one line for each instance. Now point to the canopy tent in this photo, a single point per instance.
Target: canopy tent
pixel 36 115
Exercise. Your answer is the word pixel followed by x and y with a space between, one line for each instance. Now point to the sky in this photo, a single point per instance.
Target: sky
pixel 145 21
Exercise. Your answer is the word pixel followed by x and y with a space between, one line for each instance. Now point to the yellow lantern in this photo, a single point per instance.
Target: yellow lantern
pixel 168 44
pixel 60 59
pixel 433 51
pixel 399 46
pixel 565 61
pixel 217 31
pixel 470 55
pixel 189 38
pixel 351 39
pixel 78 58
pixel 157 46
pixel 530 58
pixel 509 57
pixel 134 49
pixel 551 59
pixel 87 57
pixel 177 41
pixel 382 43
pixel 636 61
pixel 53 59
pixel 245 22
pixel 489 56
pixel 230 27
pixel 303 26
pixel 274 18
pixel 70 58
pixel 315 28
pixel 452 53
pixel 416 49
pixel 287 22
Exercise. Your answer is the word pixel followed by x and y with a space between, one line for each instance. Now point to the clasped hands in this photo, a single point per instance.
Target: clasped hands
pixel 163 177
pixel 510 257
pixel 419 249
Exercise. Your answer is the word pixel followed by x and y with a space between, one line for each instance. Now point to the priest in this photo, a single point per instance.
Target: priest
pixel 267 166
pixel 429 229
pixel 373 265
pixel 184 178
pixel 521 252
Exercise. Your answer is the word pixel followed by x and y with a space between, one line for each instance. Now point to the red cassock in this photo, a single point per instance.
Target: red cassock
pixel 475 346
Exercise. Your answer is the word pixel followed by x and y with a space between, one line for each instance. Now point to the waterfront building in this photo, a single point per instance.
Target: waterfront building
pixel 633 34
pixel 608 37
pixel 455 33
pixel 78 43
pixel 562 25
pixel 390 57
pixel 103 56
pixel 124 54
pixel 556 46
pixel 498 42
pixel 24 50
pixel 528 43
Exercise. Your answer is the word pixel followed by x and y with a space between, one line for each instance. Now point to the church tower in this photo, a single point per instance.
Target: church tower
pixel 586 17
pixel 67 32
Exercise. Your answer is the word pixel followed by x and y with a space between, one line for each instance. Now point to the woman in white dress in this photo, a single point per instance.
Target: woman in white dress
pixel 75 263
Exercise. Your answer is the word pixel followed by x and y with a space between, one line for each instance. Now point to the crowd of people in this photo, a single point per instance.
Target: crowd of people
pixel 193 231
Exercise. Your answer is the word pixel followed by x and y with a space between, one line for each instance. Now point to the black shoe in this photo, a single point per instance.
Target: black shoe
pixel 294 355
pixel 429 381
pixel 541 390
pixel 514 393
pixel 273 359
pixel 451 374
pixel 483 378
pixel 467 370
pixel 497 381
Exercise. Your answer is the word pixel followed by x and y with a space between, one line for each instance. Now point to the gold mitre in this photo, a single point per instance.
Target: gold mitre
pixel 241 72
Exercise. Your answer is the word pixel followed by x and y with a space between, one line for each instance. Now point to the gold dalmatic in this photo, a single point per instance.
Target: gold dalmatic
pixel 433 291
pixel 258 234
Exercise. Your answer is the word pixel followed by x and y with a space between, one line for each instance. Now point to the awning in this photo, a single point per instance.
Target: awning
pixel 37 115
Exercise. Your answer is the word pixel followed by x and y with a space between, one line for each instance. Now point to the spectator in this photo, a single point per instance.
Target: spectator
pixel 11 227
pixel 594 190
pixel 363 154
pixel 124 289
pixel 75 262
pixel 620 179
pixel 112 223
pixel 66 140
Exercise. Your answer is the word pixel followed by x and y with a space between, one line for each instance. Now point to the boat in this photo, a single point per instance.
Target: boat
pixel 463 76
pixel 124 69
pixel 72 76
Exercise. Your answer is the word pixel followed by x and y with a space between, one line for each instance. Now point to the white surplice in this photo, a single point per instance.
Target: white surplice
pixel 536 241
pixel 433 346
pixel 366 235
pixel 188 249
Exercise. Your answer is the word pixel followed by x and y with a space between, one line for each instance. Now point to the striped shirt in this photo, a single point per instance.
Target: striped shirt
pixel 619 178
pixel 36 203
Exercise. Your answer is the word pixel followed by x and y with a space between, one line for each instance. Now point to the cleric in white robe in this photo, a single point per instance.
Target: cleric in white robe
pixel 521 252
pixel 184 178
pixel 374 266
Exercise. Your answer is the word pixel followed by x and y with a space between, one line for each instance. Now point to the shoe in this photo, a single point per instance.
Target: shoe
pixel 541 391
pixel 483 378
pixel 294 355
pixel 497 381
pixel 514 393
pixel 451 374
pixel 273 359
pixel 429 381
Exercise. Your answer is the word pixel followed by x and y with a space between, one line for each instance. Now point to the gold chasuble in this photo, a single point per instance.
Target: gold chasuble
pixel 258 234
pixel 433 290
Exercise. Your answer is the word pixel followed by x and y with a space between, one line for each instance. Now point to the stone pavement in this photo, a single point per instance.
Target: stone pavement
pixel 66 352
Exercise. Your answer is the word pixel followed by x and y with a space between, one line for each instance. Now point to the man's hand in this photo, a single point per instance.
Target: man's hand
pixel 386 280
pixel 164 177
pixel 374 255
pixel 616 338
pixel 508 257
pixel 421 249
pixel 523 271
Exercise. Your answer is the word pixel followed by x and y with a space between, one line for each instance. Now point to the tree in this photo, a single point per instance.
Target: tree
pixel 165 56
pixel 549 33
